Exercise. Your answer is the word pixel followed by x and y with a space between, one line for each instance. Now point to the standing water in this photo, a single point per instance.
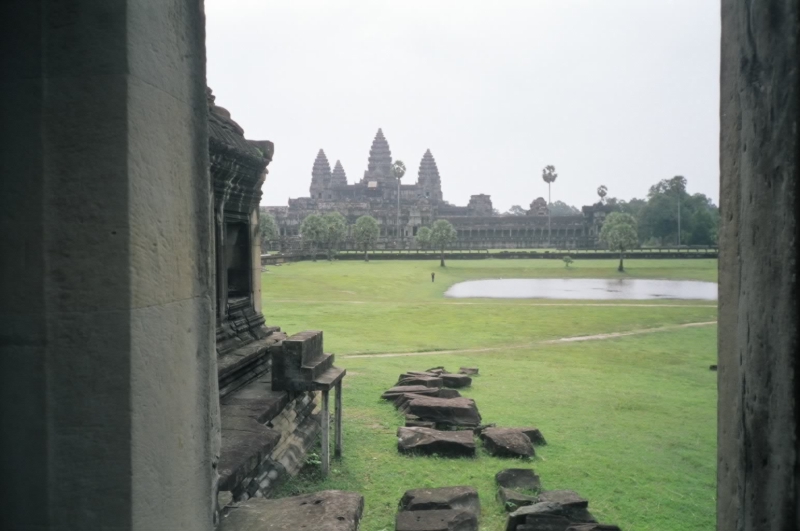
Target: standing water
pixel 583 289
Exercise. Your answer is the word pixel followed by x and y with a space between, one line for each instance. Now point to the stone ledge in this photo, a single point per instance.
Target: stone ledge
pixel 329 510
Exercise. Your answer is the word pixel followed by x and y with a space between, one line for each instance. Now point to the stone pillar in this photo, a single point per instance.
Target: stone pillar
pixel 758 379
pixel 107 366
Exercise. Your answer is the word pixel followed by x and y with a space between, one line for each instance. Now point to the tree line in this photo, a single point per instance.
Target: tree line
pixel 669 215
pixel 327 231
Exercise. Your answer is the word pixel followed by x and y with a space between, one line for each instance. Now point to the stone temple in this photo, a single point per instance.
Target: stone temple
pixel 422 203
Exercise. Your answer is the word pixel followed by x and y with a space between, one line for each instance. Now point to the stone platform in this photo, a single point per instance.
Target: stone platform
pixel 329 510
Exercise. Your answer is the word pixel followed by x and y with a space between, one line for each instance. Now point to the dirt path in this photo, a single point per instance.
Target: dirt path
pixel 595 337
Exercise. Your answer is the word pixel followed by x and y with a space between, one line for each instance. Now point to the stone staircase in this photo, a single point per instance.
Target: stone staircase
pixel 300 364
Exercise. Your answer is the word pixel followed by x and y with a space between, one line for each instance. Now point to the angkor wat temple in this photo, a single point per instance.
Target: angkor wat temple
pixel 422 203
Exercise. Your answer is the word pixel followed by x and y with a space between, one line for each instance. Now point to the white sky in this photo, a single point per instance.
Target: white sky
pixel 616 92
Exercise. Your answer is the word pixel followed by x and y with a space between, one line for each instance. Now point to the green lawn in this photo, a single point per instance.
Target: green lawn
pixel 630 421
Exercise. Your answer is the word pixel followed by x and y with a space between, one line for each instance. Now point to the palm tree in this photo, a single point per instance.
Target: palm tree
pixel 398 170
pixel 549 176
pixel 602 191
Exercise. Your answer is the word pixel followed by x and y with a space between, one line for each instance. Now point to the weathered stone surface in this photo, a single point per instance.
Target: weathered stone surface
pixel 329 510
pixel 399 390
pixel 419 379
pixel 446 411
pixel 759 375
pixel 437 370
pixel 413 421
pixel 545 522
pixel 504 442
pixel 468 370
pixel 442 520
pixel 518 478
pixel 593 527
pixel 448 393
pixel 462 498
pixel 534 435
pixel 565 498
pixel 428 441
pixel 456 381
pixel 519 516
pixel 512 500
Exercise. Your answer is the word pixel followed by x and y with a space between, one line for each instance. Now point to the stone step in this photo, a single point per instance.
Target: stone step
pixel 245 443
pixel 329 510
pixel 317 367
pixel 304 346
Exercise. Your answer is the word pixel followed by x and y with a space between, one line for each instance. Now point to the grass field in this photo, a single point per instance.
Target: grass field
pixel 630 421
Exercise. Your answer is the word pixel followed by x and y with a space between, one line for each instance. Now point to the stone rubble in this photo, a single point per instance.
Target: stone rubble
pixel 439 509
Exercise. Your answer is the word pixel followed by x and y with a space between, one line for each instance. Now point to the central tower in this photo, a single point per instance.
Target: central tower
pixel 379 167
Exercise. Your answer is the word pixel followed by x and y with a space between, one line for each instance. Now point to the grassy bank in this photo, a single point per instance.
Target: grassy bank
pixel 630 421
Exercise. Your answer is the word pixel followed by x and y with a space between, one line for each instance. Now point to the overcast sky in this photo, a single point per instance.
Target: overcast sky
pixel 615 92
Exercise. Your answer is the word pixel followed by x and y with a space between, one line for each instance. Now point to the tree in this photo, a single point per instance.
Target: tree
pixel 366 232
pixel 560 208
pixel 398 170
pixel 267 228
pixel 549 176
pixel 516 210
pixel 424 237
pixel 335 231
pixel 313 231
pixel 619 233
pixel 442 234
pixel 567 261
pixel 602 191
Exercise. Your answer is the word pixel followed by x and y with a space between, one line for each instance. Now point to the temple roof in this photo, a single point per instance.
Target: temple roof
pixel 380 157
pixel 338 177
pixel 321 172
pixel 428 172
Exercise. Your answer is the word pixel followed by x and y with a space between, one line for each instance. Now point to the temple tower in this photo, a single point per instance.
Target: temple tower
pixel 428 178
pixel 320 175
pixel 338 177
pixel 379 167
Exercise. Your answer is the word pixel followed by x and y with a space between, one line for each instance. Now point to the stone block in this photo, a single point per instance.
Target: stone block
pixel 446 411
pixel 593 527
pixel 399 390
pixel 512 499
pixel 461 498
pixel 518 478
pixel 330 510
pixel 468 370
pixel 418 379
pixel 504 442
pixel 565 498
pixel 456 381
pixel 428 441
pixel 442 520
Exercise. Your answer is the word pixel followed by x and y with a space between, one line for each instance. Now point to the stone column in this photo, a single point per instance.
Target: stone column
pixel 758 378
pixel 107 367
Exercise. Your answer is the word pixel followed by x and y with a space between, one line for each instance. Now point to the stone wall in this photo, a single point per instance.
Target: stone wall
pixel 107 365
pixel 299 425
pixel 757 471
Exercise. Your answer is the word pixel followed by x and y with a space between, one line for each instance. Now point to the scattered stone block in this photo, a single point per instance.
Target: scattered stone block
pixel 446 411
pixel 331 510
pixel 534 435
pixel 565 498
pixel 442 520
pixel 429 441
pixel 512 500
pixel 418 379
pixel 593 527
pixel 506 442
pixel 419 389
pixel 449 393
pixel 413 421
pixel 461 498
pixel 456 381
pixel 518 517
pixel 518 478
pixel 545 522
pixel 468 370
pixel 437 370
